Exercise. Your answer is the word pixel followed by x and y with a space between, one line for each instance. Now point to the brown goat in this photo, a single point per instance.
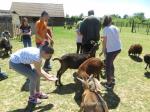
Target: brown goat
pixel 90 66
pixel 73 61
pixel 91 98
pixel 135 49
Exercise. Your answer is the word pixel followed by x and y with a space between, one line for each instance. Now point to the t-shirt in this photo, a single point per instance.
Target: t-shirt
pixel 25 29
pixel 26 55
pixel 113 42
pixel 42 30
pixel 90 29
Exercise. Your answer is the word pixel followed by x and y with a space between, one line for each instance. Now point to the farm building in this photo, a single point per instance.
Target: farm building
pixel 32 11
pixel 5 20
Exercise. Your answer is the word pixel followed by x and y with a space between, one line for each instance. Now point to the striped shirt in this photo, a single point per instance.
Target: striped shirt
pixel 26 55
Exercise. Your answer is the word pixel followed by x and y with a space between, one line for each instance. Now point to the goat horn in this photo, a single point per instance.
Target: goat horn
pixel 91 76
pixel 80 79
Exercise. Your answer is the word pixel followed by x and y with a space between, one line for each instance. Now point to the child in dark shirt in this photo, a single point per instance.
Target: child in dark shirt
pixel 26 33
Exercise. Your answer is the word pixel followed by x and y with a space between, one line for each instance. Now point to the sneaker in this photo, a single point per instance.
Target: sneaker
pixel 41 95
pixel 34 100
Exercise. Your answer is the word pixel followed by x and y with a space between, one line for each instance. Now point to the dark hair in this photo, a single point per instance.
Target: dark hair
pixel 107 21
pixel 47 48
pixel 44 13
pixel 90 12
pixel 23 20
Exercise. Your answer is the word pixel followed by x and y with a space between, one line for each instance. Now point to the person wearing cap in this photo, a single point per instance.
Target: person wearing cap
pixel 42 35
pixel 90 30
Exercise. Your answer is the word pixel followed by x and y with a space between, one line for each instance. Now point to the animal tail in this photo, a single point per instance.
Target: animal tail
pixel 57 59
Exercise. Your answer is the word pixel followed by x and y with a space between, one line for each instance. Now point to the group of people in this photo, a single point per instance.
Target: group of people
pixel 43 33
pixel 88 30
pixel 22 59
pixel 111 47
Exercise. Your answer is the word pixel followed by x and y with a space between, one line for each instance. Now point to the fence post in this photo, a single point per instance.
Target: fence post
pixel 133 30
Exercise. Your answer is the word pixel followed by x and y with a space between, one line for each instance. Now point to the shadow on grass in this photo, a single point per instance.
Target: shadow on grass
pixel 18 110
pixel 147 74
pixel 78 92
pixel 65 89
pixel 25 86
pixel 136 58
pixel 37 109
pixel 112 99
pixel 44 108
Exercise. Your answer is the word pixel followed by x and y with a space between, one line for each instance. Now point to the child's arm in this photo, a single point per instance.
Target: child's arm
pixel 104 39
pixel 42 73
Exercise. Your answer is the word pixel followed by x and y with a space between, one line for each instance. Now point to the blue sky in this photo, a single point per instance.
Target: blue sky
pixel 101 7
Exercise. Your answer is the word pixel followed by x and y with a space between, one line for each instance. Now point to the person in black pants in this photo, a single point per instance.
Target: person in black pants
pixel 111 47
pixel 42 35
pixel 90 30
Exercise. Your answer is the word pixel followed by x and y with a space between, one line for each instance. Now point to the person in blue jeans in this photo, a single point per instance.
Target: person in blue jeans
pixel 20 62
pixel 25 29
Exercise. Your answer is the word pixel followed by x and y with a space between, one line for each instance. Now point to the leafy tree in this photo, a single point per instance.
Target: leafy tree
pixel 81 16
pixel 125 16
pixel 139 16
pixel 115 16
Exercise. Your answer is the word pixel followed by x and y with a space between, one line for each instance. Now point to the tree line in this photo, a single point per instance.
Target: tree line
pixel 136 21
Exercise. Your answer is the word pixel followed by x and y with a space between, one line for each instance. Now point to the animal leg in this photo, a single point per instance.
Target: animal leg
pixel 81 108
pixel 59 74
pixel 146 66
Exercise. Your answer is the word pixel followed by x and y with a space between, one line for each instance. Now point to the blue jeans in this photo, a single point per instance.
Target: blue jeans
pixel 27 42
pixel 31 74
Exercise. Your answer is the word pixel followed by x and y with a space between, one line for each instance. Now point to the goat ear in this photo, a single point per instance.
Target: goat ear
pixel 80 79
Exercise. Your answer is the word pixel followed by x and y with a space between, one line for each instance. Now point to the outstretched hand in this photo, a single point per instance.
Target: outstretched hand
pixel 52 78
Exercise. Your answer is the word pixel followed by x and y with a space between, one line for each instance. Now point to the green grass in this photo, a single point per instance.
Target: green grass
pixel 131 93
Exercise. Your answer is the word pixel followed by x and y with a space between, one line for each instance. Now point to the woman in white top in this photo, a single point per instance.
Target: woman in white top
pixel 79 38
pixel 111 48
pixel 20 62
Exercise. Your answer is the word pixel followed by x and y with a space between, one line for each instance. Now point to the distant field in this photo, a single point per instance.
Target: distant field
pixel 131 93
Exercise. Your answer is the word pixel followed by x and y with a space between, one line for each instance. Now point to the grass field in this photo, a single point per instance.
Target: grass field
pixel 131 93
